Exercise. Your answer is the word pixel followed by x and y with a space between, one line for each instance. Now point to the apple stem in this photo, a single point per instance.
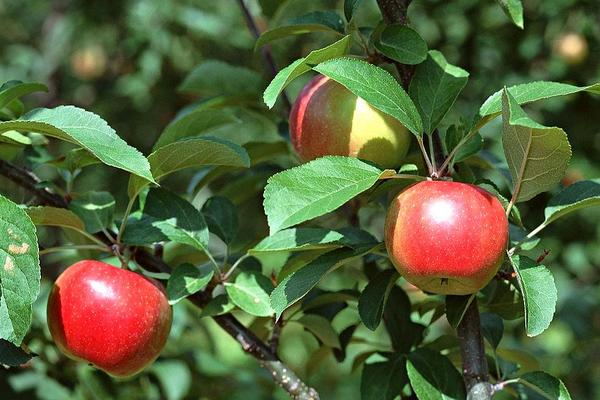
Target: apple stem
pixel 472 350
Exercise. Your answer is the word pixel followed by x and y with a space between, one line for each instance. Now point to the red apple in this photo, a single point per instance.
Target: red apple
pixel 115 319
pixel 446 237
pixel 328 119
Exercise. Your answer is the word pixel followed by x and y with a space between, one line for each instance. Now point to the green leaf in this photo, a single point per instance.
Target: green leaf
pixel 174 377
pixel 96 210
pixel 213 78
pixel 456 306
pixel 537 156
pixel 327 18
pixel 403 332
pixel 402 44
pixel 217 306
pixel 53 216
pixel 473 145
pixel 19 271
pixel 302 239
pixel 87 130
pixel 75 159
pixel 292 30
pixel 12 355
pixel 514 10
pixel 492 327
pixel 193 123
pixel 432 376
pixel 250 292
pixel 296 285
pixel 373 297
pixel 188 153
pixel 350 7
pixel 321 328
pixel 12 90
pixel 376 86
pixel 435 87
pixel 539 293
pixel 539 385
pixel 383 380
pixel 504 299
pixel 315 188
pixel 579 195
pixel 221 217
pixel 530 92
pixel 187 279
pixel 167 215
pixel 302 65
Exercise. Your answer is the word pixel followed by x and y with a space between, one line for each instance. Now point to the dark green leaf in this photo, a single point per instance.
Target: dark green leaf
pixel 350 7
pixel 217 306
pixel 96 210
pixel 12 90
pixel 456 306
pixel 579 195
pixel 213 78
pixel 376 86
pixel 221 217
pixel 291 30
pixel 383 380
pixel 372 299
pixel 396 316
pixel 432 376
pixel 12 355
pixel 329 19
pixel 539 385
pixel 322 329
pixel 402 44
pixel 186 280
pixel 492 328
pixel 434 88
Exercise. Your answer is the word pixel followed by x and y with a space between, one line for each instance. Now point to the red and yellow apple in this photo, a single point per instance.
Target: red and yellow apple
pixel 446 237
pixel 115 319
pixel 328 119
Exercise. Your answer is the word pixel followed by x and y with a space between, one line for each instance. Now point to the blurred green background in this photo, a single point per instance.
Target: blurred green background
pixel 124 61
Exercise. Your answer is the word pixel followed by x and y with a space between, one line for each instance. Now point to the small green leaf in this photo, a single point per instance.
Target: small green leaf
pixel 167 215
pixel 315 188
pixel 12 90
pixel 453 136
pixel 221 217
pixel 403 332
pixel 579 195
pixel 376 86
pixel 19 271
pixel 539 294
pixel 96 210
pixel 534 91
pixel 350 7
pixel 321 328
pixel 537 156
pixel 327 18
pixel 456 306
pixel 87 130
pixel 187 279
pixel 383 380
pixel 188 153
pixel 435 87
pixel 292 30
pixel 12 355
pixel 214 78
pixel 539 385
pixel 250 292
pixel 53 216
pixel 492 328
pixel 302 65
pixel 373 297
pixel 432 376
pixel 219 305
pixel 402 44
pixel 193 123
pixel 75 159
pixel 514 10
pixel 296 285
pixel 302 239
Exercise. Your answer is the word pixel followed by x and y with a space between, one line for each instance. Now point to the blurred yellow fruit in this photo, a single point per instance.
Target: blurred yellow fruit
pixel 571 47
pixel 89 62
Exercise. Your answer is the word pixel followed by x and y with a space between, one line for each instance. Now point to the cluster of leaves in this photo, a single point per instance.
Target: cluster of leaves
pixel 220 138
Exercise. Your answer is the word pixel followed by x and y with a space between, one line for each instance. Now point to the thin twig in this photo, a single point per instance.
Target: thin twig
pixel 32 183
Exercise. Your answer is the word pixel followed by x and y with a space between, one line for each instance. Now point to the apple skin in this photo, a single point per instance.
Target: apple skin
pixel 115 319
pixel 328 119
pixel 446 237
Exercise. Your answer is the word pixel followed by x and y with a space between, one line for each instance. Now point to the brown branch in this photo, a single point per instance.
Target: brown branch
pixel 472 350
pixel 251 344
pixel 267 55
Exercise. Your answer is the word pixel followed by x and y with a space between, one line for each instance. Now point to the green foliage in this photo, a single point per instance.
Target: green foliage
pixel 402 44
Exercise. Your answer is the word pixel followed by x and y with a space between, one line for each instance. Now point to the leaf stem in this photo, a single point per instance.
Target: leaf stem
pixel 234 266
pixel 125 218
pixel 406 176
pixel 526 238
pixel 74 247
pixel 425 156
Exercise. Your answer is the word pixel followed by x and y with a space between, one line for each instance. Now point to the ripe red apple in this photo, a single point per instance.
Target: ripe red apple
pixel 328 119
pixel 446 237
pixel 115 319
